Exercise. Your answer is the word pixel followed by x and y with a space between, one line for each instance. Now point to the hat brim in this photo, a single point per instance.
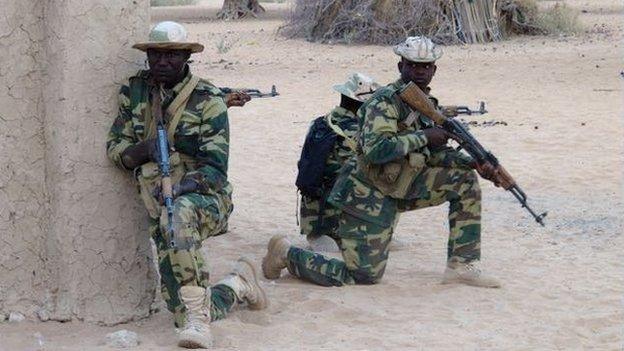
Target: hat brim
pixel 192 47
pixel 346 92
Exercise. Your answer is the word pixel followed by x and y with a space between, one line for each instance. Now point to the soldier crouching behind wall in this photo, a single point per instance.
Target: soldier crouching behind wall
pixel 194 114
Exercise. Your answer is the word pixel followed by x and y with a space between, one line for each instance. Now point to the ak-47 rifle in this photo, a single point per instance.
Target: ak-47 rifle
pixel 453 111
pixel 419 101
pixel 254 93
pixel 164 166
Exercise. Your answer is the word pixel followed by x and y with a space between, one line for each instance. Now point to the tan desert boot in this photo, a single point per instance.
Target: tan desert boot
pixel 245 283
pixel 469 274
pixel 275 259
pixel 196 333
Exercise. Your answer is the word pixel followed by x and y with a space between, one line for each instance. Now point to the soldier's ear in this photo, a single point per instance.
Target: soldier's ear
pixel 435 68
pixel 400 66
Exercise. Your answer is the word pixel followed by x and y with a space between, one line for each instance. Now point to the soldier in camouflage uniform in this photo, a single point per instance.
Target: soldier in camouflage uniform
pixel 195 115
pixel 402 163
pixel 318 218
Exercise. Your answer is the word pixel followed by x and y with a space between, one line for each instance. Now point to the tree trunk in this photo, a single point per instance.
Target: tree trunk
pixel 235 9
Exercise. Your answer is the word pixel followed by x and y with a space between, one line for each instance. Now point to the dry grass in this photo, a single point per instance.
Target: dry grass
pixel 560 19
pixel 172 2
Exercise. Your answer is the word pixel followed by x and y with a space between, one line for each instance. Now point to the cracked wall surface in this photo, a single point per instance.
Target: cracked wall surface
pixel 23 200
pixel 74 243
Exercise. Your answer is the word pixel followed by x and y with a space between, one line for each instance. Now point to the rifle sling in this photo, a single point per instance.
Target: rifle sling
pixel 174 110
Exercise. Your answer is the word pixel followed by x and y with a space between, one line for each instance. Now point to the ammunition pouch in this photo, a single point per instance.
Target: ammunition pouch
pixel 395 177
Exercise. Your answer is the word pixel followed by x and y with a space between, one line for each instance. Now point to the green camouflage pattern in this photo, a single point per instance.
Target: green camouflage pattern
pixel 196 217
pixel 202 133
pixel 317 216
pixel 202 139
pixel 369 217
pixel 364 248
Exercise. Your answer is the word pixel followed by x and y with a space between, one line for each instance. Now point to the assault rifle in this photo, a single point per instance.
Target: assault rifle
pixel 165 167
pixel 453 111
pixel 419 101
pixel 254 93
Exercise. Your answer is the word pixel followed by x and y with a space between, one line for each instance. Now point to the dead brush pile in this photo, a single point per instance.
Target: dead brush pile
pixel 390 21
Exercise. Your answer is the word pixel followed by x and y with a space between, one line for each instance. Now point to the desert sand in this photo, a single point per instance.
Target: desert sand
pixel 562 100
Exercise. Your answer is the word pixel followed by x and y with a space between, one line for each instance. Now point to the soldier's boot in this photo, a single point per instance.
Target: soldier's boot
pixel 196 333
pixel 469 274
pixel 245 283
pixel 275 259
pixel 322 243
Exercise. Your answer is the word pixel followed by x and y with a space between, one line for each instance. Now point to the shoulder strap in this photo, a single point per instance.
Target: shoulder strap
pixel 176 108
pixel 350 142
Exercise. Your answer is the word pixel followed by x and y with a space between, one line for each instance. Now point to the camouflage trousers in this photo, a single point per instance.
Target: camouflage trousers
pixel 364 245
pixel 196 217
pixel 318 217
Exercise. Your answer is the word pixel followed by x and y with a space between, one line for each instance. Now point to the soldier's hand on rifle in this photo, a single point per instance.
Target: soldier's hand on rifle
pixel 237 98
pixel 140 153
pixel 436 136
pixel 488 171
pixel 186 185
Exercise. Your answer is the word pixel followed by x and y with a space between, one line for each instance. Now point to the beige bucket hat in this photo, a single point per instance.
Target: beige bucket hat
pixel 418 49
pixel 169 35
pixel 358 87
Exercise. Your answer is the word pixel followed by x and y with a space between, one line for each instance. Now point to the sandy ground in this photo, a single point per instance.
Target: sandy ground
pixel 563 284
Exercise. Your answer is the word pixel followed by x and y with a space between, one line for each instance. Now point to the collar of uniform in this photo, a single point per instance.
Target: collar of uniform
pixel 343 111
pixel 398 84
pixel 176 89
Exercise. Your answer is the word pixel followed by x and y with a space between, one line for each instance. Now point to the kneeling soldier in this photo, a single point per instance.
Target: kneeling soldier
pixel 402 163
pixel 330 142
pixel 195 116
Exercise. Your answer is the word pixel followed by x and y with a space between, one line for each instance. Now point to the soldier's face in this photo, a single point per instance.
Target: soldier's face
pixel 167 66
pixel 421 73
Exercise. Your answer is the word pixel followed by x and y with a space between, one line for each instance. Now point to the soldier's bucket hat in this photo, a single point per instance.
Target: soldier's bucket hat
pixel 169 35
pixel 418 49
pixel 358 87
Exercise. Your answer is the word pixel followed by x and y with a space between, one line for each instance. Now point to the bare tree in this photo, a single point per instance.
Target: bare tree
pixel 235 9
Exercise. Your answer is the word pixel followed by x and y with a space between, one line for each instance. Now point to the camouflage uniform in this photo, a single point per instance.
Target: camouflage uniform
pixel 369 216
pixel 318 217
pixel 201 139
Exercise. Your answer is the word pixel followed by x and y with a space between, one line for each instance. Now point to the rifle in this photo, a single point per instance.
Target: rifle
pixel 164 166
pixel 419 101
pixel 254 93
pixel 454 111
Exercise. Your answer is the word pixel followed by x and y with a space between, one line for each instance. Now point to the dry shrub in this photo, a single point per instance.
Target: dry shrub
pixel 354 21
pixel 525 17
pixel 172 2
pixel 560 19
pixel 445 21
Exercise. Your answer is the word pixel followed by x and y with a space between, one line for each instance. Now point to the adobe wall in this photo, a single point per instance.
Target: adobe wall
pixel 74 243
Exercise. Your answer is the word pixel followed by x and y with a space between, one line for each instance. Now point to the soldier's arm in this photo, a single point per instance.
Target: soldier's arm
pixel 121 134
pixel 448 157
pixel 213 148
pixel 381 140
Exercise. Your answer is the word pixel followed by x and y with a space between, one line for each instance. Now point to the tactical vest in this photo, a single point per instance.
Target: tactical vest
pixel 148 174
pixel 395 178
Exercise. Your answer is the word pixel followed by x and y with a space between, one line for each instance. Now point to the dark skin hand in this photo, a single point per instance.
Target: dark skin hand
pixel 184 186
pixel 237 98
pixel 167 67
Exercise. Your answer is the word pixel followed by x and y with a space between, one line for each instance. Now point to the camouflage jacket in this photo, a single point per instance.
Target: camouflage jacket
pixel 347 121
pixel 201 136
pixel 385 136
